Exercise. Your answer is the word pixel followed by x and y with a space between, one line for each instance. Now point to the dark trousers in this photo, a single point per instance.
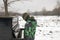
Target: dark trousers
pixel 28 38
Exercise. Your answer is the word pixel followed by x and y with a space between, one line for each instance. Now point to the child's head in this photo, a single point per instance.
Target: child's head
pixel 32 18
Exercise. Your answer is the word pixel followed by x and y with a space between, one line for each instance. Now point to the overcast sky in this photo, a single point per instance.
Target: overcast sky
pixel 31 5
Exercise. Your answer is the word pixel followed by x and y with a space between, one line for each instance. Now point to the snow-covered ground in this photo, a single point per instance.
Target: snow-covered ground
pixel 48 27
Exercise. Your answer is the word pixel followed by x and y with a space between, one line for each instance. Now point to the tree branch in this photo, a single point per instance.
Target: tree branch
pixel 12 1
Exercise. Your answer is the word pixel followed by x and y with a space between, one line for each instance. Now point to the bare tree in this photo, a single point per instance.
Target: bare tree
pixel 6 6
pixel 44 10
pixel 57 4
pixel 56 10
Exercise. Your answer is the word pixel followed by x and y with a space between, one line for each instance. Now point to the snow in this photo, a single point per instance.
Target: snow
pixel 48 27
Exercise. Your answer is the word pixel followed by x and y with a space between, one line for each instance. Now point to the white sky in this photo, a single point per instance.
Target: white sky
pixel 31 5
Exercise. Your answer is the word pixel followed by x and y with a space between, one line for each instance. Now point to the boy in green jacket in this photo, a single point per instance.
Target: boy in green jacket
pixel 30 27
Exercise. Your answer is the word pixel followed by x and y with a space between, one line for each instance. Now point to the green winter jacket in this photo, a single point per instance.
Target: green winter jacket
pixel 30 28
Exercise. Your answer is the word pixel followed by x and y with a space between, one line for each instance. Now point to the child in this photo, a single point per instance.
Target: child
pixel 30 27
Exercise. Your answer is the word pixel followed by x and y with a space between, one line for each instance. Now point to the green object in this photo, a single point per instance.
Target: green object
pixel 30 27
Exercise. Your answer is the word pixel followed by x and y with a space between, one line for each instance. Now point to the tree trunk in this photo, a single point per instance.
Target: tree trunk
pixel 6 7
